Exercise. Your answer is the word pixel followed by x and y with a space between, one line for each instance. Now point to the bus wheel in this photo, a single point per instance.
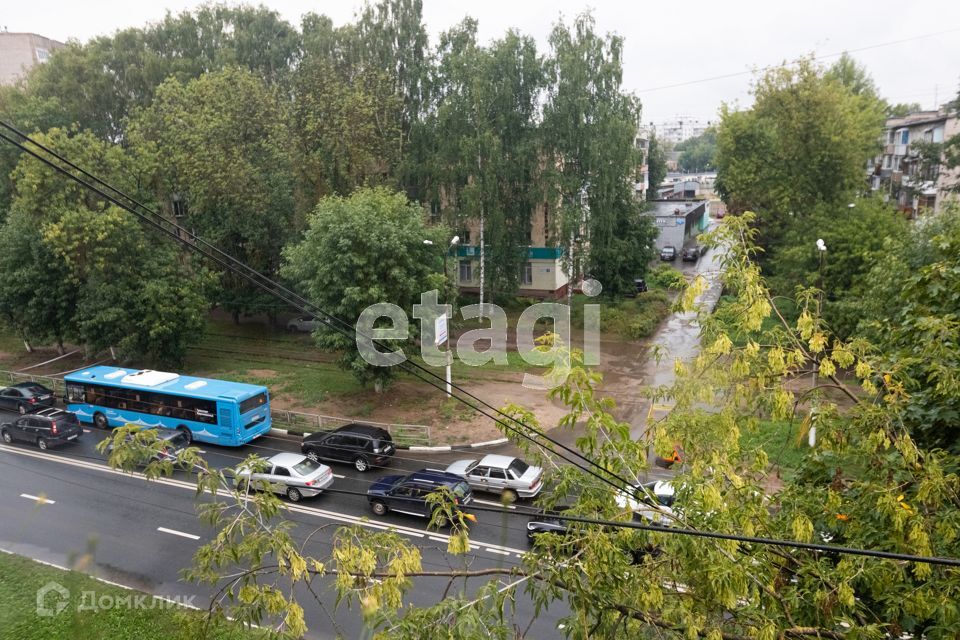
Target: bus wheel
pixel 100 420
pixel 186 434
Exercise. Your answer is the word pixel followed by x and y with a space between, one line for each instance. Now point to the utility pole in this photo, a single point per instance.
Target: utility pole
pixel 812 435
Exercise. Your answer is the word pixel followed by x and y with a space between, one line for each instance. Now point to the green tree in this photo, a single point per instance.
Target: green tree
pixel 656 166
pixel 804 142
pixel 589 125
pixel 856 238
pixel 226 153
pixel 902 109
pixel 132 292
pixel 911 307
pixel 37 300
pixel 699 153
pixel 362 250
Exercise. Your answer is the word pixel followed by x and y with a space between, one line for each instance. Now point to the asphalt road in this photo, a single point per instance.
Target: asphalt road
pixel 143 534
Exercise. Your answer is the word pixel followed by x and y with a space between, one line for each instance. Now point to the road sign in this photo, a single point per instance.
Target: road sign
pixel 440 330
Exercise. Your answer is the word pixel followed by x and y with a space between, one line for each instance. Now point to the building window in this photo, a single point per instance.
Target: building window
pixel 42 55
pixel 937 134
pixel 891 136
pixel 465 237
pixel 526 273
pixel 905 136
pixel 466 271
pixel 179 206
pixel 886 162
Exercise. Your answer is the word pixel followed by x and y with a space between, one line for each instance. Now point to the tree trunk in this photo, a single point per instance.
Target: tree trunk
pixel 60 349
pixel 236 317
pixel 378 386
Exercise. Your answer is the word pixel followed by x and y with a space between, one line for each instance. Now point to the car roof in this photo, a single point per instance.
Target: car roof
pixel 26 385
pixel 495 460
pixel 50 412
pixel 434 476
pixel 359 427
pixel 286 459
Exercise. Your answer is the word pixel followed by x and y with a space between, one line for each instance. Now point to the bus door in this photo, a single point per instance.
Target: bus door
pixel 226 421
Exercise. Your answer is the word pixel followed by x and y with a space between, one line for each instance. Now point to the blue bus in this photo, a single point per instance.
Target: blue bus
pixel 205 410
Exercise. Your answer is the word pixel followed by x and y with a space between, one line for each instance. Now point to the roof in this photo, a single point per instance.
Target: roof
pixel 434 476
pixel 165 382
pixel 286 459
pixel 359 427
pixel 495 460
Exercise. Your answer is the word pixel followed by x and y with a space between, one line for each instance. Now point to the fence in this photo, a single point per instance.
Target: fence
pixel 12 377
pixel 404 434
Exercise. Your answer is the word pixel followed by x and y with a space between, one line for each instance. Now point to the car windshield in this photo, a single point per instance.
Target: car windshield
pixel 306 468
pixel 518 467
pixel 35 390
pixel 179 441
pixel 461 489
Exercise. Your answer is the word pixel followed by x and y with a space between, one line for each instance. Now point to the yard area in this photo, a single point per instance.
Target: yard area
pixel 21 578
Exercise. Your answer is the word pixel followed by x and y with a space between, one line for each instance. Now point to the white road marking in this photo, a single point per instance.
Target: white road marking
pixel 191 486
pixel 178 533
pixel 494 504
pixel 503 553
pixel 436 539
pixel 38 499
pixel 86 430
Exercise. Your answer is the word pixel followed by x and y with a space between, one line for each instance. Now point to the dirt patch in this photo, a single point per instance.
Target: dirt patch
pixel 450 422
pixel 262 373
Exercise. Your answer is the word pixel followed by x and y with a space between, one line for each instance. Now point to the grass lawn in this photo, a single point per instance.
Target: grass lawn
pixel 21 578
pixel 781 442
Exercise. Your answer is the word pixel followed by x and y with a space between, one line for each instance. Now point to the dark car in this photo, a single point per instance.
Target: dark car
pixel 668 253
pixel 25 397
pixel 552 522
pixel 640 285
pixel 173 443
pixel 46 428
pixel 408 494
pixel 361 444
pixel 691 253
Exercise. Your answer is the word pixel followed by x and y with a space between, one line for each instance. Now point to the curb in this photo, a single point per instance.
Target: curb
pixel 283 433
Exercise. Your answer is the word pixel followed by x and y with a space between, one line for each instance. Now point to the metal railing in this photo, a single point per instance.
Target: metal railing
pixel 403 434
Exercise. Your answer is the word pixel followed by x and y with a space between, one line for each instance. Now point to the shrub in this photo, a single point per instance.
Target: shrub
pixel 666 277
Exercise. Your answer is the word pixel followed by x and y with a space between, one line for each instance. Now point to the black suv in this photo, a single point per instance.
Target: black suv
pixel 408 494
pixel 47 427
pixel 25 397
pixel 362 444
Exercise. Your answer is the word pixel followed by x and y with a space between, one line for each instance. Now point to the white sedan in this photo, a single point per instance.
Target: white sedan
pixel 289 474
pixel 511 477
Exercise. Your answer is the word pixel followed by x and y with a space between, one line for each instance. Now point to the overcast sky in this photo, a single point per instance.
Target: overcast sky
pixel 666 43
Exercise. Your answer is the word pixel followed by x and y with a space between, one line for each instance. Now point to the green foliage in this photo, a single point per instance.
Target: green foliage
pixel 637 318
pixel 856 239
pixel 359 251
pixel 699 153
pixel 803 143
pixel 225 149
pixel 920 270
pixel 589 125
pixel 666 277
pixel 656 167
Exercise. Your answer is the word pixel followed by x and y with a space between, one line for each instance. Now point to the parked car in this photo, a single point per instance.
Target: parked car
pixel 289 474
pixel 173 443
pixel 652 501
pixel 46 428
pixel 552 522
pixel 511 477
pixel 668 253
pixel 408 494
pixel 640 285
pixel 361 444
pixel 691 253
pixel 25 397
pixel 306 324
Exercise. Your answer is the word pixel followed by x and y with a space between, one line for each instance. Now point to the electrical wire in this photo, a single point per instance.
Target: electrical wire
pixel 298 302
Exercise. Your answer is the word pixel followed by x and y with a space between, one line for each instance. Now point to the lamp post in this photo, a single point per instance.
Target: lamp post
pixel 821 250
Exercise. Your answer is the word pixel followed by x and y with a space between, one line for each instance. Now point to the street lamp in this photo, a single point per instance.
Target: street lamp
pixel 821 250
pixel 446 255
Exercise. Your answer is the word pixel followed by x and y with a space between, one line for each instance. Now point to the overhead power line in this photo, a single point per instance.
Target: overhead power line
pixel 795 61
pixel 197 244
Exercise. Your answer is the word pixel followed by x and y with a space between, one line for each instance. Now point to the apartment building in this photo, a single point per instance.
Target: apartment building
pixel 19 52
pixel 901 173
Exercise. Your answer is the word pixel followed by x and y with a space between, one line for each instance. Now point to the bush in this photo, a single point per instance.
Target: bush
pixel 666 277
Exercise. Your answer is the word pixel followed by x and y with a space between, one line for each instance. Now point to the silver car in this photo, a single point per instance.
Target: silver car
pixel 306 324
pixel 290 474
pixel 653 501
pixel 511 477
